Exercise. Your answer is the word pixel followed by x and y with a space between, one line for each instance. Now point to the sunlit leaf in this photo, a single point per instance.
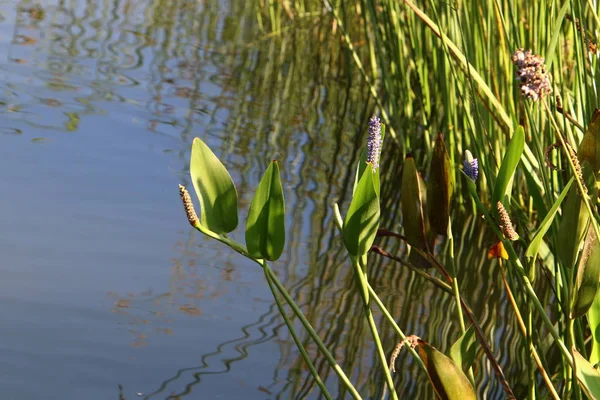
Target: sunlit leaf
pixel 265 226
pixel 588 376
pixel 362 221
pixel 214 188
pixel 463 350
pixel 440 188
pixel 448 380
pixel 508 167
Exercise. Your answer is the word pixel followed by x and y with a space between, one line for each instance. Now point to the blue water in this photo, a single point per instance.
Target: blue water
pixel 106 292
pixel 103 282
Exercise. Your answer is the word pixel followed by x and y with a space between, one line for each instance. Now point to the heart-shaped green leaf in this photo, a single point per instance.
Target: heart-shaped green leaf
pixel 265 226
pixel 362 221
pixel 214 188
pixel 508 167
pixel 448 380
pixel 440 188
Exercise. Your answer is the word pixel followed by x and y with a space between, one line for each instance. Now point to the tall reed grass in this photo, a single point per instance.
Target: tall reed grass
pixel 452 68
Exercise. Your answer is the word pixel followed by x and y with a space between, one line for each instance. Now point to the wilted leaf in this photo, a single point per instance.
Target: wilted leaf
pixel 448 380
pixel 265 226
pixel 497 251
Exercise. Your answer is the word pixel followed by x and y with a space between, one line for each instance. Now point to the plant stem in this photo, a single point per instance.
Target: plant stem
pixel 360 268
pixel 389 317
pixel 299 344
pixel 269 272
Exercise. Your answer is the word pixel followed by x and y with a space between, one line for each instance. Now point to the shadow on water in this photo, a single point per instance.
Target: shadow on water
pixel 187 68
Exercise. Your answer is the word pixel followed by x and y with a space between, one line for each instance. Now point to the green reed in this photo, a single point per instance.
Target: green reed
pixel 448 67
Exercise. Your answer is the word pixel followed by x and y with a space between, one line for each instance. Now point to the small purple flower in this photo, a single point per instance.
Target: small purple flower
pixel 374 142
pixel 471 166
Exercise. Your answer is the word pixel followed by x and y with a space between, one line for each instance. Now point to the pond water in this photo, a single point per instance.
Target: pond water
pixel 106 292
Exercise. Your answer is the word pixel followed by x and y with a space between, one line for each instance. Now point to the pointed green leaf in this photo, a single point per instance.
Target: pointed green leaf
pixel 413 205
pixel 440 188
pixel 214 188
pixel 588 274
pixel 534 246
pixel 588 376
pixel 463 350
pixel 508 167
pixel 362 220
pixel 593 317
pixel 265 226
pixel 448 380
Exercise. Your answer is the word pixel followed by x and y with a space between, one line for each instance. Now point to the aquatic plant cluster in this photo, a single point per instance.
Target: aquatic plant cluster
pixel 517 161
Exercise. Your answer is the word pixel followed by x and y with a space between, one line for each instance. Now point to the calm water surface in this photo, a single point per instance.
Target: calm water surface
pixel 106 293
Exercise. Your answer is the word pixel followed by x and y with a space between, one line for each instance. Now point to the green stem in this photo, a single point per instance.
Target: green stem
pixel 299 344
pixel 389 317
pixel 360 268
pixel 522 274
pixel 314 336
pixel 528 334
pixel 581 186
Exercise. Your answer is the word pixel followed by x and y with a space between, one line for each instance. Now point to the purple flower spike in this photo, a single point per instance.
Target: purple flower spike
pixel 374 142
pixel 471 166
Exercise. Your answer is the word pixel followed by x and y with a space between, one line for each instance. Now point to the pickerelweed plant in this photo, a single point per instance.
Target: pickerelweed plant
pixel 529 173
